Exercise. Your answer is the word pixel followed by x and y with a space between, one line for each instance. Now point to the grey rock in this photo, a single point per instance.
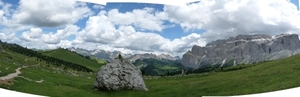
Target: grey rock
pixel 119 75
pixel 242 49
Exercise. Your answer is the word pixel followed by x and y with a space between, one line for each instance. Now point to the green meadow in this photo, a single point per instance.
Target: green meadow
pixel 59 82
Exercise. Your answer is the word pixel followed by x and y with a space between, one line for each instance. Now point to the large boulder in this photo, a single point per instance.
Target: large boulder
pixel 119 74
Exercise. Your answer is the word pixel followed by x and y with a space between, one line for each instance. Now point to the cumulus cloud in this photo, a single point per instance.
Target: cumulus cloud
pixel 132 31
pixel 144 19
pixel 183 44
pixel 100 30
pixel 61 34
pixel 225 18
pixel 6 8
pixel 98 6
pixel 6 36
pixel 32 35
pixel 37 35
pixel 5 11
pixel 1 16
pixel 49 13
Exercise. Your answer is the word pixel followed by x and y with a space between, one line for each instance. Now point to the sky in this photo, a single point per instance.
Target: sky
pixel 141 27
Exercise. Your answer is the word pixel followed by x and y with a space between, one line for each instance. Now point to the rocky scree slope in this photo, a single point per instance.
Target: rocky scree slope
pixel 242 49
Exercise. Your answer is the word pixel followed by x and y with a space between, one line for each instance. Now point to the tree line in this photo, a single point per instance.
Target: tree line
pixel 40 57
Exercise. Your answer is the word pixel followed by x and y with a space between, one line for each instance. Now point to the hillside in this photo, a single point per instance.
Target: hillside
pixel 155 67
pixel 244 79
pixel 41 58
pixel 67 55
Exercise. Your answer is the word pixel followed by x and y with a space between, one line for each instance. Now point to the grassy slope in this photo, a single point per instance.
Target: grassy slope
pixel 99 60
pixel 73 57
pixel 9 61
pixel 263 77
pixel 158 67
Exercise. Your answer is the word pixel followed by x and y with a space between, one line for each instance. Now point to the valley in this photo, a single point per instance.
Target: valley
pixel 57 81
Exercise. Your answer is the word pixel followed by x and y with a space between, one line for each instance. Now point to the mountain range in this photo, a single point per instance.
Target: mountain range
pixel 110 55
pixel 148 63
pixel 61 72
pixel 242 49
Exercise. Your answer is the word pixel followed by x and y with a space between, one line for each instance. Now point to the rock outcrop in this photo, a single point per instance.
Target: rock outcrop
pixel 242 49
pixel 119 74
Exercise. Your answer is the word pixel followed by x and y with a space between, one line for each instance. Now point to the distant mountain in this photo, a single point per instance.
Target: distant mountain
pixel 149 64
pixel 242 49
pixel 153 56
pixel 108 55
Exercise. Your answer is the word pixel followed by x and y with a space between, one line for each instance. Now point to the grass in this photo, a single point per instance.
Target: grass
pixel 9 61
pixel 73 57
pixel 257 78
pixel 98 60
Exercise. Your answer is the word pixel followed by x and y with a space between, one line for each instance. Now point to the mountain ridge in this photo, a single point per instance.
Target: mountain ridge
pixel 242 49
pixel 110 55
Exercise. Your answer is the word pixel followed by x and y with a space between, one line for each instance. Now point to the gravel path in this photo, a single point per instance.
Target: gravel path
pixel 12 75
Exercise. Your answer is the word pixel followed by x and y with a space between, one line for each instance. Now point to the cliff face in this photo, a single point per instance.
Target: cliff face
pixel 242 49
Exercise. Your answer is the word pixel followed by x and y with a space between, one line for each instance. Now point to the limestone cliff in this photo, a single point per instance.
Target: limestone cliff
pixel 242 49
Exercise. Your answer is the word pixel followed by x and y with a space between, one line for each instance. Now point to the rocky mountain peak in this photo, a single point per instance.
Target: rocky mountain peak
pixel 154 56
pixel 242 49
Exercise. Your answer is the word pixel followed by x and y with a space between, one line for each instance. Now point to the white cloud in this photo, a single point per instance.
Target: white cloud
pixel 53 13
pixel 99 30
pixel 37 35
pixel 97 6
pixel 33 35
pixel 7 9
pixel 144 19
pixel 131 31
pixel 222 19
pixel 100 33
pixel 1 16
pixel 1 3
pixel 183 44
pixel 60 35
pixel 6 36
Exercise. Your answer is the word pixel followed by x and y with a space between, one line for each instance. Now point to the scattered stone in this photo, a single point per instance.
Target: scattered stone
pixel 119 74
pixel 40 81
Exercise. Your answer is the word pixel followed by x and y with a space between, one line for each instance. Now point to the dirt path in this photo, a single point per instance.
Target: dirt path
pixel 16 74
pixel 12 75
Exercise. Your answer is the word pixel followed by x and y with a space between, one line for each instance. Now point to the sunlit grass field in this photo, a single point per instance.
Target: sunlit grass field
pixel 255 78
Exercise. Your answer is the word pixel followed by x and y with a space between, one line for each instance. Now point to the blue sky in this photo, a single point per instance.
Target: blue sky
pixel 141 27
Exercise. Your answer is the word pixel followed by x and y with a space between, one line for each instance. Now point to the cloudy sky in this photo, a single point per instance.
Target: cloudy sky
pixel 139 27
